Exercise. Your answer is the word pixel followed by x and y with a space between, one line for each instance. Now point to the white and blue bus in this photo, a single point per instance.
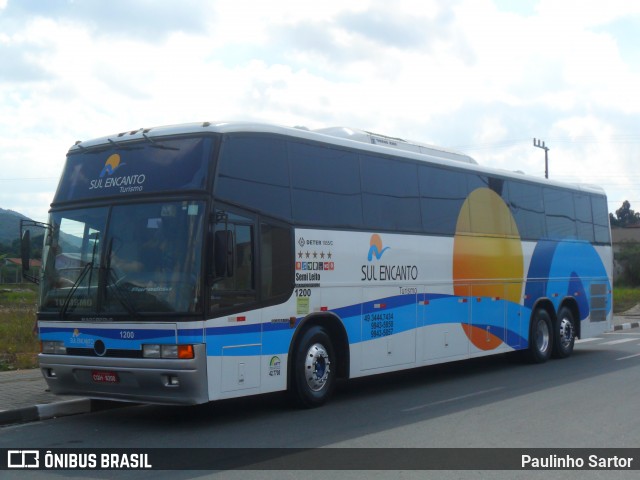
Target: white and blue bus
pixel 199 262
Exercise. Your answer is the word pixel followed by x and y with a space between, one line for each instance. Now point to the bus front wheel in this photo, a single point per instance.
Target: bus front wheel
pixel 540 337
pixel 314 368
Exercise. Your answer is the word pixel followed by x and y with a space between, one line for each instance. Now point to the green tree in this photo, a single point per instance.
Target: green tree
pixel 625 216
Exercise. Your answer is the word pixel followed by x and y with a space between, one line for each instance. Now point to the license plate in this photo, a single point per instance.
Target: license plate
pixel 101 376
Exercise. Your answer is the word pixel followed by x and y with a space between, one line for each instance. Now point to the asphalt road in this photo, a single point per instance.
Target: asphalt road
pixel 589 400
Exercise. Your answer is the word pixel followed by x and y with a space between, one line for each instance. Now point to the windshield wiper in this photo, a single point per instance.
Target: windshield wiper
pixel 88 267
pixel 155 144
pixel 121 146
pixel 74 287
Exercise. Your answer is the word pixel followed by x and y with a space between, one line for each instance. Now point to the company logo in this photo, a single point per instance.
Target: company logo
pixel 23 459
pixel 117 183
pixel 374 272
pixel 111 165
pixel 78 339
pixel 375 247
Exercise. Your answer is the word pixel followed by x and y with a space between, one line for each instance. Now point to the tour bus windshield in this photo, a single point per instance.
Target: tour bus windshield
pixel 125 259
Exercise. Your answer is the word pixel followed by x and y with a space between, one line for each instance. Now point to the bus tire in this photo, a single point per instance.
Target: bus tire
pixel 565 334
pixel 540 337
pixel 314 368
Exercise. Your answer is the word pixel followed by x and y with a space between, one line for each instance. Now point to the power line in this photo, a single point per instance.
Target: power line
pixel 27 178
pixel 581 139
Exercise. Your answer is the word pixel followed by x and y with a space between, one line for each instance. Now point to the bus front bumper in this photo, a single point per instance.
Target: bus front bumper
pixel 142 380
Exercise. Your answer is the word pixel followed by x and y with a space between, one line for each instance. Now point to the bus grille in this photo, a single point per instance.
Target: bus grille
pixel 598 304
pixel 112 353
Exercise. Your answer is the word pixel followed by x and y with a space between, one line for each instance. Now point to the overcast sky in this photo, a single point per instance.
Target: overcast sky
pixel 480 76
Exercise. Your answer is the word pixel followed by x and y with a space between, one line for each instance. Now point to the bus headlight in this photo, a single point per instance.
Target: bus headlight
pixel 53 347
pixel 151 351
pixel 168 351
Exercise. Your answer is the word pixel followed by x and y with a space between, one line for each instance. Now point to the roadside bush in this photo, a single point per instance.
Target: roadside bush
pixel 629 259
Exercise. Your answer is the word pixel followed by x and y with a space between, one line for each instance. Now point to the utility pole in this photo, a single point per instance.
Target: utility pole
pixel 540 144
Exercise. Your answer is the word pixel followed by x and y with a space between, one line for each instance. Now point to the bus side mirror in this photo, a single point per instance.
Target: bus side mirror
pixel 223 252
pixel 25 256
pixel 25 246
pixel 25 251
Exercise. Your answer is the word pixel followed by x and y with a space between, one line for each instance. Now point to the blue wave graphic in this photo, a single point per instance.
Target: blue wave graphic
pixel 373 250
pixel 108 169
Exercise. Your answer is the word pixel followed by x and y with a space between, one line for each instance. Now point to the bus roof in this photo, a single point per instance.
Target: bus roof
pixel 396 143
pixel 340 136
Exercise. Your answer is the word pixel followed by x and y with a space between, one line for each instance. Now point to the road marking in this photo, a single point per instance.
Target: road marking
pixel 629 356
pixel 454 399
pixel 621 340
pixel 585 340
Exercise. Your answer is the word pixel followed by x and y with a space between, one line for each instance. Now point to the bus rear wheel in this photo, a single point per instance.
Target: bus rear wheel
pixel 540 337
pixel 314 367
pixel 565 334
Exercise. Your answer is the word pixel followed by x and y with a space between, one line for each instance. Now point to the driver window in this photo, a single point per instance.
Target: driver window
pixel 76 247
pixel 234 273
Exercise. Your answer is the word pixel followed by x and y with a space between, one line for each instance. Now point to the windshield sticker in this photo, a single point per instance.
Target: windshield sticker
pixel 121 184
pixel 111 165
pixel 192 210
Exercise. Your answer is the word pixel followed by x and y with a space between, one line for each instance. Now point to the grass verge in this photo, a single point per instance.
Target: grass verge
pixel 625 298
pixel 18 341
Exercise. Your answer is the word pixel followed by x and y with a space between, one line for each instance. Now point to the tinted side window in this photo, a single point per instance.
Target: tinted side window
pixel 325 186
pixel 527 209
pixel 475 181
pixel 561 215
pixel 253 171
pixel 390 194
pixel 276 261
pixel 601 219
pixel 442 193
pixel 487 212
pixel 584 220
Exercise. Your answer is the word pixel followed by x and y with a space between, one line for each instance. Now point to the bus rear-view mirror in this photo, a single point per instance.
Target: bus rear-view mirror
pixel 223 253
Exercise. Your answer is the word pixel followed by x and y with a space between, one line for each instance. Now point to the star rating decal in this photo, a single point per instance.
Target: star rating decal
pixel 308 254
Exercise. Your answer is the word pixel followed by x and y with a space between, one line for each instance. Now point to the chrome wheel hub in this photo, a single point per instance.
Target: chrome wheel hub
pixel 542 337
pixel 566 332
pixel 316 367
